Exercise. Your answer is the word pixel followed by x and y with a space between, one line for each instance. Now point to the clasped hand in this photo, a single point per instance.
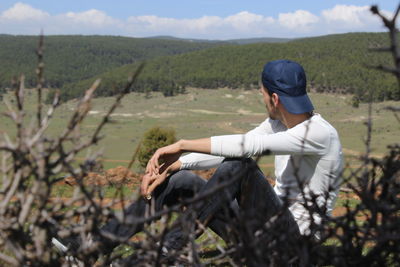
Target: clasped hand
pixel 167 155
pixel 150 182
pixel 156 172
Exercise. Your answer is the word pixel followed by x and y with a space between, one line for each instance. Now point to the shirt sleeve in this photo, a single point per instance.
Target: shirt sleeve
pixel 199 161
pixel 301 139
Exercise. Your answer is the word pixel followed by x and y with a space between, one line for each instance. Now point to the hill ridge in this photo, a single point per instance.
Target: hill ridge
pixel 334 63
pixel 71 58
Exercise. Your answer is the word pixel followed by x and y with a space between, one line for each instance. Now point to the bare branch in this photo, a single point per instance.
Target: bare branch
pixel 8 259
pixel 40 79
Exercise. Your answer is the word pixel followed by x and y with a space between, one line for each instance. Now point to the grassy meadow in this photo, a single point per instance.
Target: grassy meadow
pixel 205 112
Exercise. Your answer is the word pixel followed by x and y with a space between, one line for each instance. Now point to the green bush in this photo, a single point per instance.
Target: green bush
pixel 355 102
pixel 153 139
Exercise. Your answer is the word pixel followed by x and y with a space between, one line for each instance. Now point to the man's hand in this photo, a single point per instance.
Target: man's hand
pixel 168 155
pixel 156 173
pixel 151 181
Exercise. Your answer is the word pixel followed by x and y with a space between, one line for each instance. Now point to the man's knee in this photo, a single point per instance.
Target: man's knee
pixel 235 164
pixel 186 179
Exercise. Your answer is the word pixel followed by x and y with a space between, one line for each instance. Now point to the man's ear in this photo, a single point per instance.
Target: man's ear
pixel 275 99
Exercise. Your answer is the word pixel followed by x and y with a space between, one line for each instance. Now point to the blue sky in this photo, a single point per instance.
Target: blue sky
pixel 212 19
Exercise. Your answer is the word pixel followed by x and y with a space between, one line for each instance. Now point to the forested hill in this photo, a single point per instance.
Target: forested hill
pixel 73 58
pixel 333 63
pixel 231 41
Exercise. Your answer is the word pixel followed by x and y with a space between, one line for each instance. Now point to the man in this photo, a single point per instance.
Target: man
pixel 308 164
pixel 308 157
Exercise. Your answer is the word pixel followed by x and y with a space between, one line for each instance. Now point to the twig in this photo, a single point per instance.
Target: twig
pixel 40 79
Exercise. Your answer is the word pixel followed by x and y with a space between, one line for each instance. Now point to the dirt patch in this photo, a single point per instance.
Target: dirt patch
pixel 227 126
pixel 122 115
pixel 160 115
pixel 339 211
pixel 121 176
pixel 248 112
pixel 357 119
pixel 204 111
pixel 244 111
pixel 115 176
pixel 358 153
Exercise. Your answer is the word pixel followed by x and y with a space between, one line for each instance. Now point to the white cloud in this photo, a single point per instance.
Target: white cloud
pixel 247 21
pixel 353 16
pixel 91 17
pixel 217 27
pixel 301 20
pixel 21 11
pixel 25 19
pixel 157 24
pixel 203 24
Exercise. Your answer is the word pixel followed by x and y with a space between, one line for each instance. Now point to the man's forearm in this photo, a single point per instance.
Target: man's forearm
pixel 171 153
pixel 176 166
pixel 198 145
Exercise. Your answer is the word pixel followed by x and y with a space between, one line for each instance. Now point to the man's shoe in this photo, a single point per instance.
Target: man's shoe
pixel 60 246
pixel 64 249
pixel 68 244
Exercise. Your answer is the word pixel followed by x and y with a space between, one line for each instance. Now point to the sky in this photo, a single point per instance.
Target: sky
pixel 200 19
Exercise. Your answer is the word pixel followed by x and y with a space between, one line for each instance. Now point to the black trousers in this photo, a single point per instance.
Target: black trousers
pixel 247 198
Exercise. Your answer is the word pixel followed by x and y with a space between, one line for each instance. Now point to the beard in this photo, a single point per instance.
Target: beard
pixel 271 113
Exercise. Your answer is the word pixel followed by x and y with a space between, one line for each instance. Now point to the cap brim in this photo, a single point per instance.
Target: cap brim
pixel 297 104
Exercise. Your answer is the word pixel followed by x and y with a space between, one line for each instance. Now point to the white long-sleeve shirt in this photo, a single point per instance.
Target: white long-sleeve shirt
pixel 307 156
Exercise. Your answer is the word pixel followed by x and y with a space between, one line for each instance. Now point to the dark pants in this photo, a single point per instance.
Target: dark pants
pixel 248 197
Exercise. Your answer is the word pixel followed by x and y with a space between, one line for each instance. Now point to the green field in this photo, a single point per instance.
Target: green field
pixel 203 113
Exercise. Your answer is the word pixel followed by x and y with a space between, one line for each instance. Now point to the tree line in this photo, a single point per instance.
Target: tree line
pixel 334 63
pixel 73 58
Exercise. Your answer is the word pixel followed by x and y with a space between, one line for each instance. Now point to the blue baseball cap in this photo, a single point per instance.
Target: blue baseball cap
pixel 288 80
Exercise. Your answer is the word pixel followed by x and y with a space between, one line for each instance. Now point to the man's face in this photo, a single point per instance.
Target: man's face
pixel 269 103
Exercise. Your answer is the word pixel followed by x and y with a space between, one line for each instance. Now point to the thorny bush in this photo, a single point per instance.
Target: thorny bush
pixel 367 234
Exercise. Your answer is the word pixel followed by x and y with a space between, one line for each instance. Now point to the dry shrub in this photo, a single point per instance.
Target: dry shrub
pixel 29 218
